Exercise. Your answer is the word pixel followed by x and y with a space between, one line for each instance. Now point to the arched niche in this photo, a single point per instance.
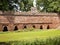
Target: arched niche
pixel 15 28
pixel 48 27
pixel 5 28
pixel 33 26
pixel 25 27
pixel 41 27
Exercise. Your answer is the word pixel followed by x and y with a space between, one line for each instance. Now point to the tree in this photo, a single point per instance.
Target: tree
pixel 21 6
pixel 50 5
pixel 53 7
pixel 25 5
pixel 4 5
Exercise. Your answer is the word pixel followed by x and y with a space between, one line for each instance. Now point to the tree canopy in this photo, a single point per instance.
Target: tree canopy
pixel 25 5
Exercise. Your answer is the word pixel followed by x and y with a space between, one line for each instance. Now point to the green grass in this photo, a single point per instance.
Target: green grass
pixel 28 35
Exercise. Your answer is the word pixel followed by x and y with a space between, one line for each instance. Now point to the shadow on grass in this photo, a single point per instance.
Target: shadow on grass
pixel 4 43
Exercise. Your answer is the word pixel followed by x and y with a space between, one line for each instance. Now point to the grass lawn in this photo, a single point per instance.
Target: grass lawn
pixel 30 35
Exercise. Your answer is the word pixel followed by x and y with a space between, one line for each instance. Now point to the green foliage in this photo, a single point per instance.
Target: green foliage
pixel 37 37
pixel 25 5
pixel 22 6
pixel 28 35
pixel 50 5
pixel 54 7
pixel 49 41
pixel 4 5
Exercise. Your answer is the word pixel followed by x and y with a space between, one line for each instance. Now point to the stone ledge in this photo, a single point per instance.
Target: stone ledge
pixel 25 13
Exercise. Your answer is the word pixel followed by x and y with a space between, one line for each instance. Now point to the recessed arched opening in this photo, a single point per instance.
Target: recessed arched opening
pixel 15 28
pixel 5 28
pixel 25 27
pixel 41 27
pixel 33 26
pixel 48 27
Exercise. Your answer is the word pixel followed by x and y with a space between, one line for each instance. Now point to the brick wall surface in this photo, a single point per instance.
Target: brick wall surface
pixel 29 21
